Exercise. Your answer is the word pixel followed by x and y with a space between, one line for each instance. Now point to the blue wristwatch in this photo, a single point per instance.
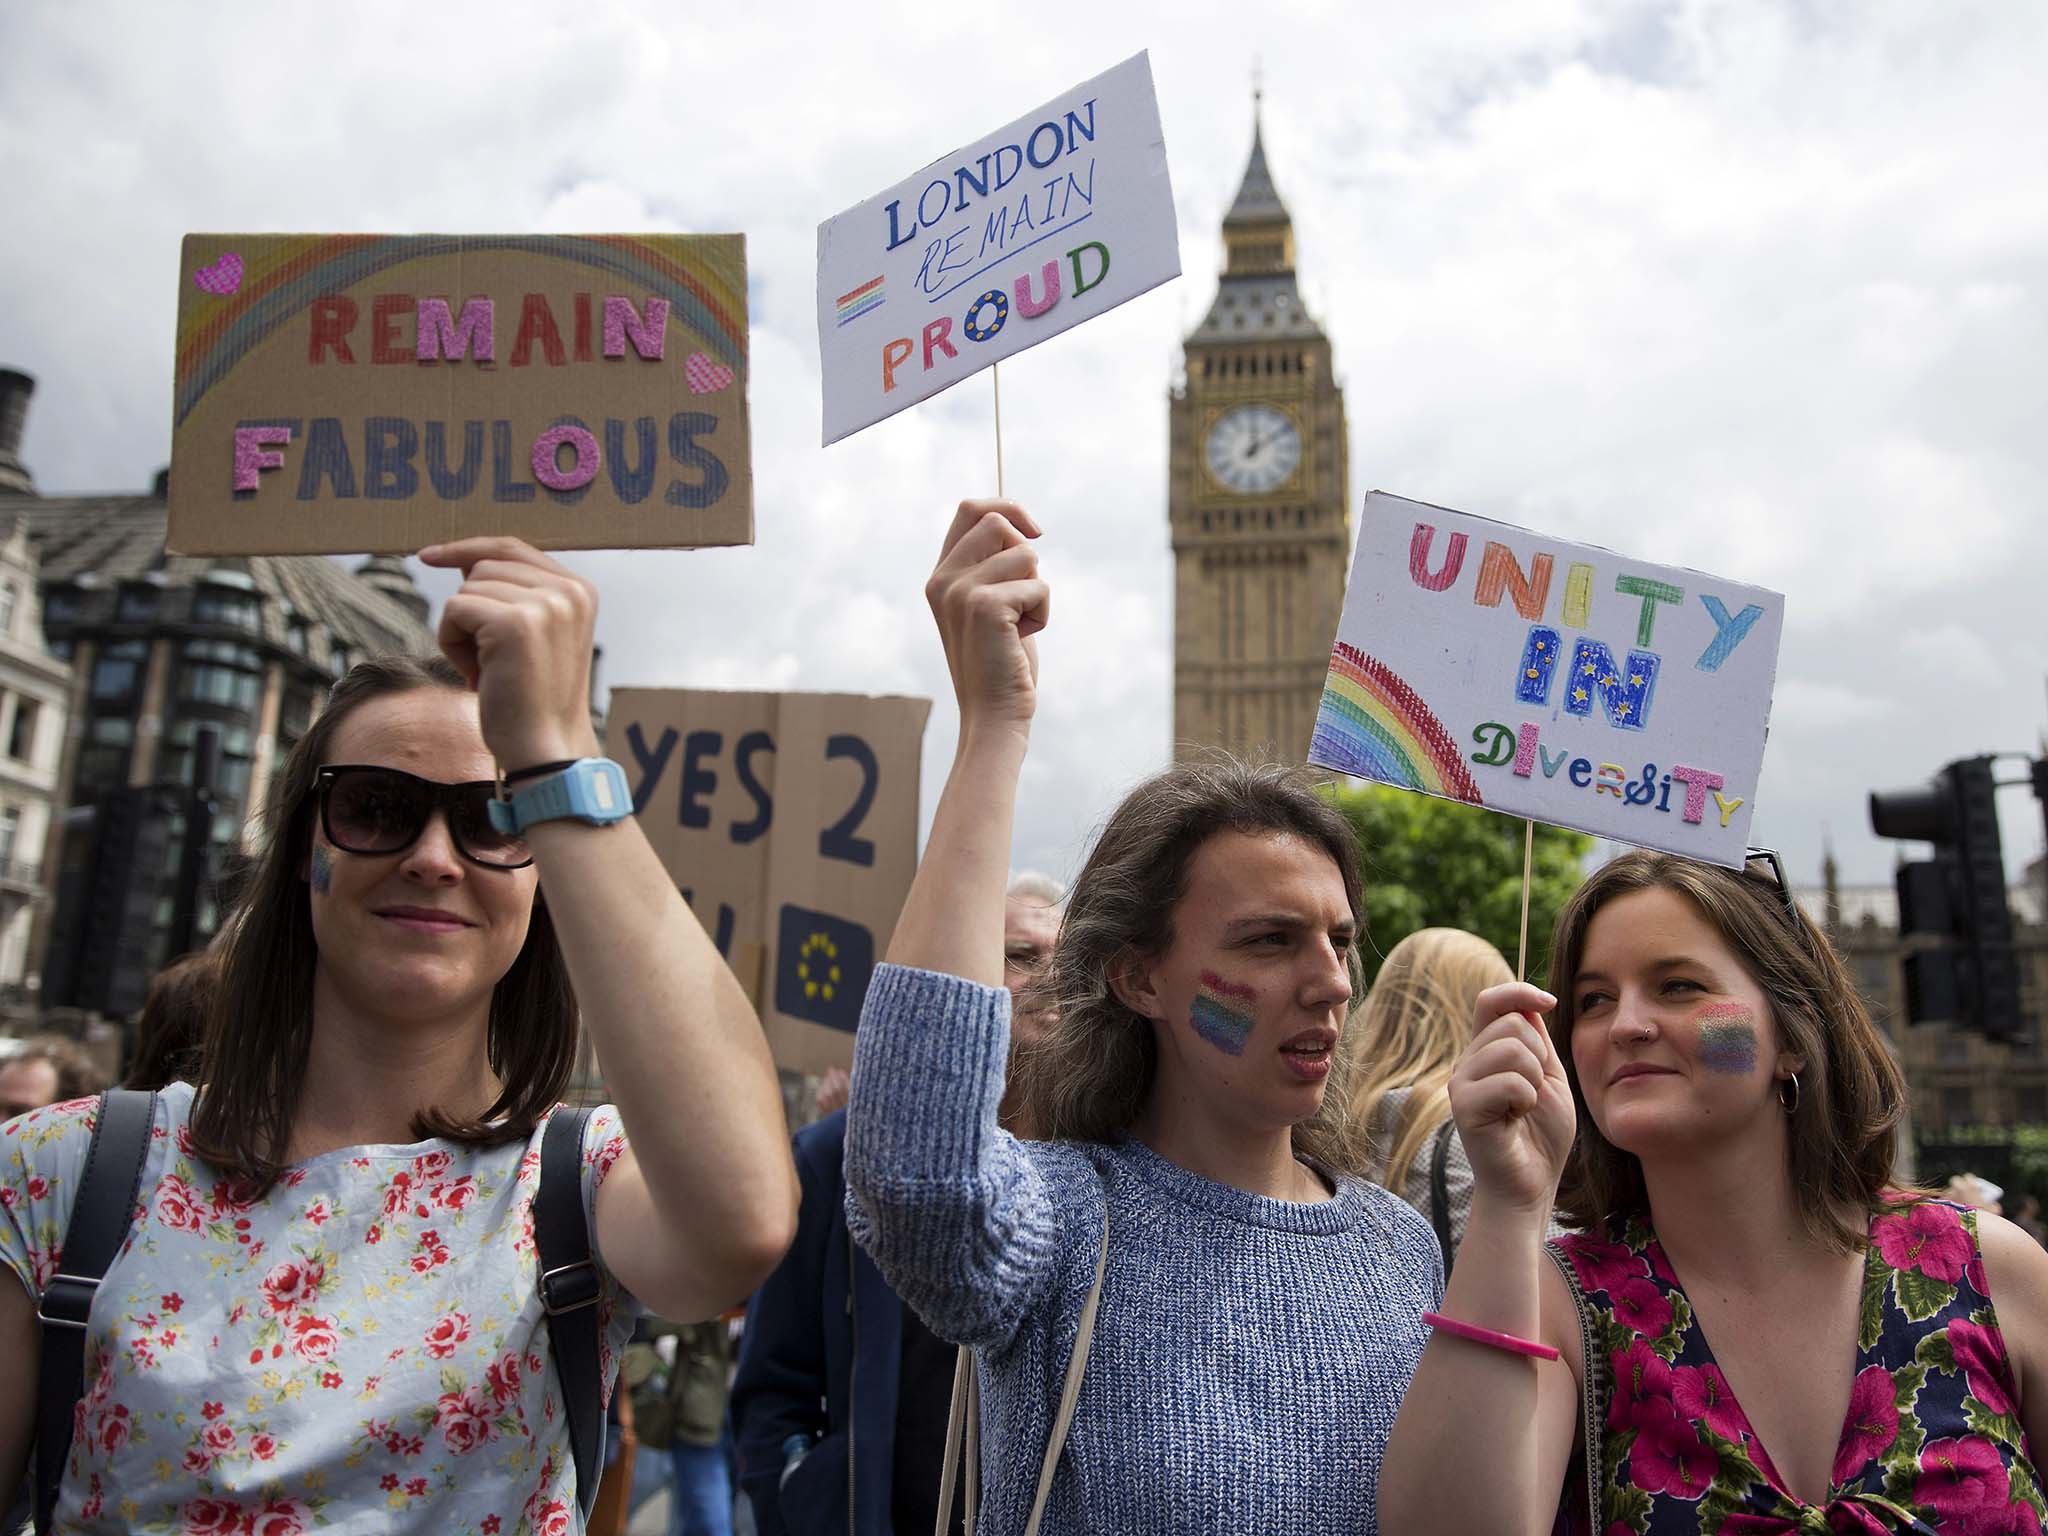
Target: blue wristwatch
pixel 591 789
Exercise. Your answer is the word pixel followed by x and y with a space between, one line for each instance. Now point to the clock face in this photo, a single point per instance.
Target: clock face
pixel 1253 449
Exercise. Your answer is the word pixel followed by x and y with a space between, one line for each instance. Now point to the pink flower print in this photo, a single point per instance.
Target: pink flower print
pixel 177 1205
pixel 1872 1424
pixel 388 1482
pixel 446 1333
pixel 320 1212
pixel 1701 1393
pixel 606 1156
pixel 1981 1354
pixel 173 1302
pixel 280 1517
pixel 331 1380
pixel 290 1285
pixel 1926 1237
pixel 1669 1457
pixel 534 1362
pixel 2024 1521
pixel 113 1429
pixel 464 1420
pixel 458 1196
pixel 491 1522
pixel 553 1519
pixel 398 1195
pixel 212 1411
pixel 416 1489
pixel 197 1462
pixel 374 1235
pixel 1965 1483
pixel 263 1447
pixel 1642 1382
pixel 314 1339
pixel 429 1166
pixel 230 1197
pixel 502 1376
pixel 295 1178
pixel 210 1517
pixel 38 1188
pixel 8 1198
pixel 42 1263
pixel 1603 1266
pixel 1641 1306
pixel 184 1139
pixel 218 1437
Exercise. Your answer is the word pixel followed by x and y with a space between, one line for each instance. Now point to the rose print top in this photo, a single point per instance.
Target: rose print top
pixel 361 1349
pixel 1932 1442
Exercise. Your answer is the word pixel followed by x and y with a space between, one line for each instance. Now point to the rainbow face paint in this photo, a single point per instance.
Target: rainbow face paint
pixel 1222 1013
pixel 322 869
pixel 1727 1039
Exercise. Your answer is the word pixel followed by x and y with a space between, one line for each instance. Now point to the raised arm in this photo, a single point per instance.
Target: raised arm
pixel 699 1210
pixel 1484 1436
pixel 956 1216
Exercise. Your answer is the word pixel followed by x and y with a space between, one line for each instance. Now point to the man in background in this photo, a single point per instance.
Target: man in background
pixel 827 1309
pixel 46 1070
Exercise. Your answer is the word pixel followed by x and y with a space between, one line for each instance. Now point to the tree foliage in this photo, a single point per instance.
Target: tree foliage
pixel 1433 863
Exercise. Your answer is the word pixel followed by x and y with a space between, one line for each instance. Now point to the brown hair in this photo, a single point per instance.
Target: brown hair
pixel 1851 1096
pixel 1088 1078
pixel 1412 1028
pixel 173 1021
pixel 78 1075
pixel 260 1025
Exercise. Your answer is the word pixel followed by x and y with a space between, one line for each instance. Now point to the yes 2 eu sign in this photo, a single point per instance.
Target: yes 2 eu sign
pixel 789 822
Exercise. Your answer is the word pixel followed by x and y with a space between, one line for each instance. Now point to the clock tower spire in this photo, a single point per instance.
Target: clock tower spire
pixel 1257 495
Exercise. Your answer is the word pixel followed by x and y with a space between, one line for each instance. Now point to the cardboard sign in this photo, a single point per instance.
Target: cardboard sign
pixel 344 393
pixel 789 821
pixel 1053 220
pixel 1555 681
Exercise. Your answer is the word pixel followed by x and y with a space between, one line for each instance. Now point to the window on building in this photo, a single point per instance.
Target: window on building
pixel 103 756
pixel 220 672
pixel 63 605
pixel 231 778
pixel 138 605
pixel 224 605
pixel 21 737
pixel 117 670
pixel 10 831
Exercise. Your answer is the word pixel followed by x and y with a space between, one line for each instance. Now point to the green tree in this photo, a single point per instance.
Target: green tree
pixel 1433 863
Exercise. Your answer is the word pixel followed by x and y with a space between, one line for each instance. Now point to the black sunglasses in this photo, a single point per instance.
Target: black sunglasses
pixel 382 811
pixel 1769 857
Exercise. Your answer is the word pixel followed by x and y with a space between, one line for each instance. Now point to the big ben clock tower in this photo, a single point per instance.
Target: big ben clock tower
pixel 1257 499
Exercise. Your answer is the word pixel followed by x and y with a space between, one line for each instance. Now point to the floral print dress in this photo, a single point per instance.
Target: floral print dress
pixel 361 1349
pixel 1932 1441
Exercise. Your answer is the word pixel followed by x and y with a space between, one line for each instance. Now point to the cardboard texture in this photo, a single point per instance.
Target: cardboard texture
pixel 1561 682
pixel 345 393
pixel 1053 220
pixel 789 821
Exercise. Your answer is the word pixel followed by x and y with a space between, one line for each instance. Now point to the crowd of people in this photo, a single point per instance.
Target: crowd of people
pixel 1142 1213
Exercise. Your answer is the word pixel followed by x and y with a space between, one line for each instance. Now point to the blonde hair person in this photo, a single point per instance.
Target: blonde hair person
pixel 1411 1029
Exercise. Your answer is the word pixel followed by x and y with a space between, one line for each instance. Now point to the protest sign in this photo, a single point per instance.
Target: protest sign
pixel 1556 681
pixel 345 393
pixel 789 821
pixel 1055 219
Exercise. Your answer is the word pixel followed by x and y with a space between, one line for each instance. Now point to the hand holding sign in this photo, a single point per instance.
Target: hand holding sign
pixel 989 601
pixel 520 630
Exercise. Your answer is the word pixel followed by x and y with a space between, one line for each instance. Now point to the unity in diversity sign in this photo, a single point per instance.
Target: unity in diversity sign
pixel 1556 681
pixel 789 821
pixel 1055 219
pixel 340 393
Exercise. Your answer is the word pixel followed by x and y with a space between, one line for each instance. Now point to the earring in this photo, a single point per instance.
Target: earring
pixel 1790 1106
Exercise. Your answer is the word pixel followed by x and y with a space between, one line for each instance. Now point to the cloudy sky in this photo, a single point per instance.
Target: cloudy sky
pixel 1751 287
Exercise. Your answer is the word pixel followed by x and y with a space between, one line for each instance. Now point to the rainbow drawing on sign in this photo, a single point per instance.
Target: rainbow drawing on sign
pixel 869 295
pixel 1374 725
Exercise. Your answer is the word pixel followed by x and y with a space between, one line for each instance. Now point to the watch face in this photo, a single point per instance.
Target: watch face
pixel 1253 448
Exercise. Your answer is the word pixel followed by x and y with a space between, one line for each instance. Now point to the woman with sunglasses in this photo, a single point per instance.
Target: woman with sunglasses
pixel 1757 1332
pixel 326 1310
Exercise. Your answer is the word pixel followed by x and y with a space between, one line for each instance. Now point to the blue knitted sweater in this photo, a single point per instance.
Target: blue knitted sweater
pixel 1249 1354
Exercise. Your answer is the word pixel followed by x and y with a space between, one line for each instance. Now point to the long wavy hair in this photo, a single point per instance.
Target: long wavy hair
pixel 259 1024
pixel 1852 1095
pixel 1089 1076
pixel 1412 1027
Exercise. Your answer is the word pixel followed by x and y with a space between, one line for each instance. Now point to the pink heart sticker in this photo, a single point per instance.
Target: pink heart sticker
pixel 704 376
pixel 223 277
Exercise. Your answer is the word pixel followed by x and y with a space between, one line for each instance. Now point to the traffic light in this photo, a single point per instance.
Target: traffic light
pixel 1960 967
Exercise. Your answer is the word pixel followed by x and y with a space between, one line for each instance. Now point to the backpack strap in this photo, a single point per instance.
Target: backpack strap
pixel 101 1214
pixel 569 1286
pixel 1440 1194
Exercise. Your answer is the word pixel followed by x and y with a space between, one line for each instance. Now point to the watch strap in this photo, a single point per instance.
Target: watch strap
pixel 591 789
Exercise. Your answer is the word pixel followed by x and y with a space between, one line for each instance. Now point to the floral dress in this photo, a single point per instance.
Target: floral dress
pixel 360 1349
pixel 1932 1441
